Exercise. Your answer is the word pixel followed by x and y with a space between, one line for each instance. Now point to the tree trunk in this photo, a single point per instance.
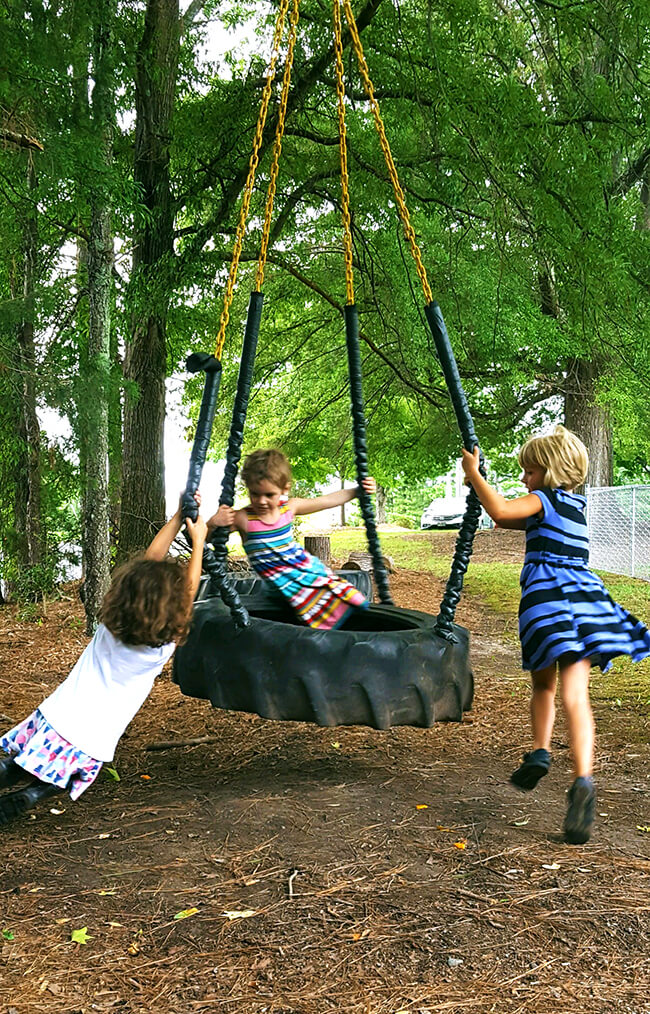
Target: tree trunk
pixel 380 505
pixel 589 420
pixel 96 543
pixel 143 480
pixel 320 546
pixel 27 354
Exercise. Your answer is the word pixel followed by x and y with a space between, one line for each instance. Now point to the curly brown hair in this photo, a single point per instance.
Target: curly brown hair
pixel 148 602
pixel 269 464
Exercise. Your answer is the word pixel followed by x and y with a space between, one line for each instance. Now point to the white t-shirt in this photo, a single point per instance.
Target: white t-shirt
pixel 108 685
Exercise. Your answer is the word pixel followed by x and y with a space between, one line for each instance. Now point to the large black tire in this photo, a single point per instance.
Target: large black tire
pixel 386 667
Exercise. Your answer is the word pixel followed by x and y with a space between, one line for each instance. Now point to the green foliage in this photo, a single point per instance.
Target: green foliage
pixel 519 135
pixel 30 584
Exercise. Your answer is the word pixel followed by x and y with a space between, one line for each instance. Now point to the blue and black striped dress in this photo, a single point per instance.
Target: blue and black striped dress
pixel 565 609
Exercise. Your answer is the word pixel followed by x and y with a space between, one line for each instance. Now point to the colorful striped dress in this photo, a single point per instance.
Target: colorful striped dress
pixel 319 597
pixel 565 609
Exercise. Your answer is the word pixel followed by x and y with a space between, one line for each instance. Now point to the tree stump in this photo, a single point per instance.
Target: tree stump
pixel 319 545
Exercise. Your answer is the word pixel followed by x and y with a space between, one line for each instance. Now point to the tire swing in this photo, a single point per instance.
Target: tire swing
pixel 388 665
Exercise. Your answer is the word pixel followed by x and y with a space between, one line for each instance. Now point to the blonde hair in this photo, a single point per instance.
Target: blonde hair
pixel 148 602
pixel 563 456
pixel 267 464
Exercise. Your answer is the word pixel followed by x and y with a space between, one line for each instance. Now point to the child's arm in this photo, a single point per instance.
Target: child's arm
pixel 502 511
pixel 198 531
pixel 228 517
pixel 300 505
pixel 161 542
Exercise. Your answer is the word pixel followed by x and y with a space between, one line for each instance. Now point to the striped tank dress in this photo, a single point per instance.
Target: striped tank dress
pixel 320 598
pixel 565 610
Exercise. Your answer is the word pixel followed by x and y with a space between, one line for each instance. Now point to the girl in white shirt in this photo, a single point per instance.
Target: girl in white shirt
pixel 146 612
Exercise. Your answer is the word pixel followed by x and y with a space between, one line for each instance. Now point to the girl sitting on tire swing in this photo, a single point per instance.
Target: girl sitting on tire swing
pixel 319 598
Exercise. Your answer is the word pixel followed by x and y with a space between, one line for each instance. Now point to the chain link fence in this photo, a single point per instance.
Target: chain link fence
pixel 619 529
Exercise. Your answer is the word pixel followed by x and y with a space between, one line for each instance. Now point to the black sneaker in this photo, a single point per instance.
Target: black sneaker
pixel 580 812
pixel 10 773
pixel 533 767
pixel 12 804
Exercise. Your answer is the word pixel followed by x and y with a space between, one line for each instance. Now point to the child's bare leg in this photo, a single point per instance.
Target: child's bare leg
pixel 574 680
pixel 542 706
pixel 542 715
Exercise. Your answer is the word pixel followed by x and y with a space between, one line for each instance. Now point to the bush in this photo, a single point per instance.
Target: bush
pixel 403 520
pixel 30 584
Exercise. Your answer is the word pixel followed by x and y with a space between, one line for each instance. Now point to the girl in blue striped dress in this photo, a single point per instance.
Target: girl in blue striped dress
pixel 567 620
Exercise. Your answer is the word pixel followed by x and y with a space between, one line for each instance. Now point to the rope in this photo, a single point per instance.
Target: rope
pixel 250 180
pixel 345 193
pixel 409 232
pixel 277 146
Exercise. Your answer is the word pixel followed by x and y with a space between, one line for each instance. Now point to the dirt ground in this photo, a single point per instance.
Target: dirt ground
pixel 326 870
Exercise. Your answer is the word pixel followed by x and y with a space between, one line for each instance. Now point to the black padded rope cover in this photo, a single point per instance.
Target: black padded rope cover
pixel 361 450
pixel 387 668
pixel 465 540
pixel 214 561
pixel 212 367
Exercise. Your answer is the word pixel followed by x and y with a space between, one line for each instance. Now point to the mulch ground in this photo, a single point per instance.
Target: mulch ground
pixel 326 870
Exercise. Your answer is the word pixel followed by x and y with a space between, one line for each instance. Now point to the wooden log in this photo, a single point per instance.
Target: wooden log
pixel 320 546
pixel 360 560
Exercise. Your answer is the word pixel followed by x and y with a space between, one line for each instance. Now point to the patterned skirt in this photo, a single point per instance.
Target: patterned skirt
pixel 37 748
pixel 567 611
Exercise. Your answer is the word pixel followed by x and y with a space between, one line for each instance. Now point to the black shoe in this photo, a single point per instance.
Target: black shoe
pixel 580 813
pixel 534 766
pixel 12 804
pixel 10 773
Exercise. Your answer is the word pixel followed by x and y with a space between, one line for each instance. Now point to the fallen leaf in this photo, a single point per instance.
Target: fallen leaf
pixel 111 891
pixel 550 866
pixel 80 936
pixel 642 827
pixel 145 778
pixel 462 844
pixel 113 773
pixel 62 922
pixel 337 746
pixel 57 813
pixel 185 913
pixel 7 935
pixel 117 925
pixel 104 835
pixel 421 806
pixel 441 828
pixel 244 913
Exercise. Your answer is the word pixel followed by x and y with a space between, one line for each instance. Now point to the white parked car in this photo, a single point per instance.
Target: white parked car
pixel 447 512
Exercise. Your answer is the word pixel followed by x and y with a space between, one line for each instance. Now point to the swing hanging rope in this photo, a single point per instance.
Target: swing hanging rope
pixel 250 180
pixel 402 210
pixel 463 550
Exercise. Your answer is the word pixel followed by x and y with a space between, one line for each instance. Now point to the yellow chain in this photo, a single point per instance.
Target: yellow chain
pixel 250 180
pixel 345 193
pixel 277 146
pixel 409 232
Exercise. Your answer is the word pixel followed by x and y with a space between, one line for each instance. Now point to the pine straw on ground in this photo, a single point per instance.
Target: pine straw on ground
pixel 343 870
